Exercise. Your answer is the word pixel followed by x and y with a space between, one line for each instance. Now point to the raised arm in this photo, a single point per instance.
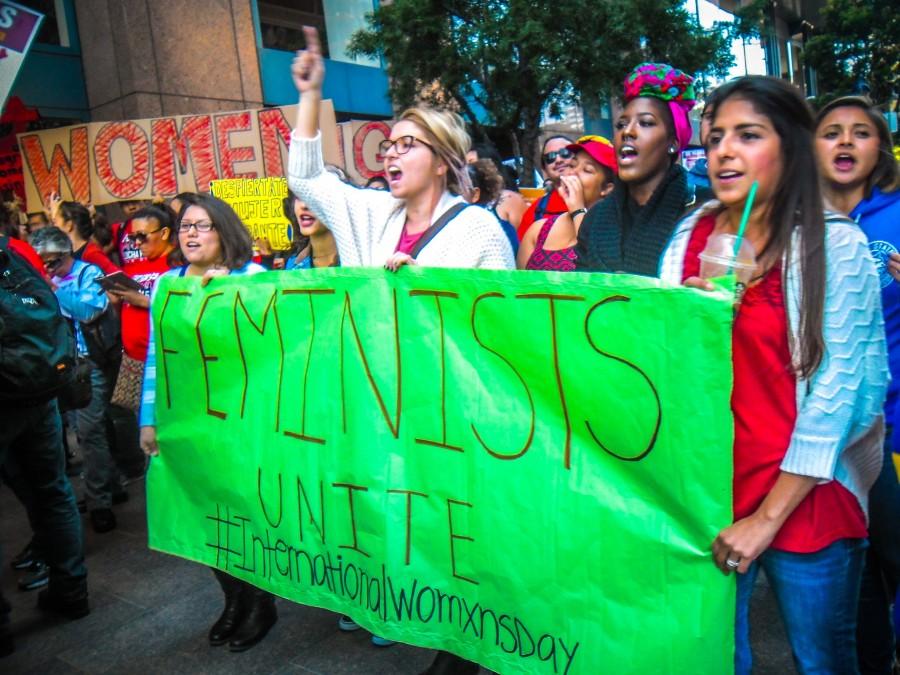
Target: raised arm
pixel 354 216
pixel 308 72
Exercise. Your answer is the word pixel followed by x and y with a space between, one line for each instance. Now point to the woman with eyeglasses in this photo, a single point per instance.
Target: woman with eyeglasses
pixel 83 301
pixel 628 232
pixel 424 160
pixel 214 242
pixel 424 219
pixel 549 244
pixel 151 230
pixel 555 156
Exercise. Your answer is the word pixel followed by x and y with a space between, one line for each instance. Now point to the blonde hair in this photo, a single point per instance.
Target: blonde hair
pixel 450 141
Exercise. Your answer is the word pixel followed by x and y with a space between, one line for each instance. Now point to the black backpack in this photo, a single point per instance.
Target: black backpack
pixel 37 349
pixel 103 335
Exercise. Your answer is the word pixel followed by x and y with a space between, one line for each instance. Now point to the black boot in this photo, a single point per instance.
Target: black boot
pixel 260 619
pixel 234 612
pixel 446 663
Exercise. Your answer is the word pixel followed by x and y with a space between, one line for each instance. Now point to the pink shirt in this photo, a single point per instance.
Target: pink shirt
pixel 408 241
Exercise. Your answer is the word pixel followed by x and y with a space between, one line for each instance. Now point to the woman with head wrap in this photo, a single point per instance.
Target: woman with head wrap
pixel 628 231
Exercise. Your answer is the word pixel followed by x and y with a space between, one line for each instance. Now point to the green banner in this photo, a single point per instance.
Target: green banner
pixel 524 468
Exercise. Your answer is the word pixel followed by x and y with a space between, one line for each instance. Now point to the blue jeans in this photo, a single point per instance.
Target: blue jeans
pixel 33 436
pixel 875 636
pixel 817 595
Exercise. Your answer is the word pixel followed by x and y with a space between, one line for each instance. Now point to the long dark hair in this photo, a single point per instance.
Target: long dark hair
pixel 885 175
pixel 797 202
pixel 234 238
pixel 298 240
pixel 80 217
pixel 162 214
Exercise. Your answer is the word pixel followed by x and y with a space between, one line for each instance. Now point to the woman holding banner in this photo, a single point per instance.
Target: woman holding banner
pixel 424 219
pixel 628 231
pixel 214 242
pixel 810 367
pixel 861 178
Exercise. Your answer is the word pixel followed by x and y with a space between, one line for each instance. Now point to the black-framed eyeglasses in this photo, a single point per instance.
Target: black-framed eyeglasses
pixel 550 157
pixel 402 145
pixel 53 263
pixel 201 226
pixel 140 237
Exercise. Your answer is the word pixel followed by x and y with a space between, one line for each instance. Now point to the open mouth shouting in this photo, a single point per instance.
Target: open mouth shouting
pixel 844 162
pixel 627 154
pixel 394 174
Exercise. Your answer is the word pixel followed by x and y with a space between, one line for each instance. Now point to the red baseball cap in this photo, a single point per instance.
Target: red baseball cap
pixel 599 148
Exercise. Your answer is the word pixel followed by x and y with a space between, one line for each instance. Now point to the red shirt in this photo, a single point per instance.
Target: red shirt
pixel 136 320
pixel 764 404
pixel 555 205
pixel 92 253
pixel 25 250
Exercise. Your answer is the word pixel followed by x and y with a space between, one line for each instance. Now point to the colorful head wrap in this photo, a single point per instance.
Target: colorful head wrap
pixel 599 148
pixel 662 81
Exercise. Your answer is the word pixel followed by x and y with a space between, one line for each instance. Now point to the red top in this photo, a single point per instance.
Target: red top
pixel 764 403
pixel 92 253
pixel 136 320
pixel 555 205
pixel 25 250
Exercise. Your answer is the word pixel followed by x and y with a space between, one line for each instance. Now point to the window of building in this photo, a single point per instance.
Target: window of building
pixel 344 18
pixel 281 23
pixel 55 28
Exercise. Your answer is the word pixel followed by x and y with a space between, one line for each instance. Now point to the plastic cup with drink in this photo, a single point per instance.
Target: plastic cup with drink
pixel 731 253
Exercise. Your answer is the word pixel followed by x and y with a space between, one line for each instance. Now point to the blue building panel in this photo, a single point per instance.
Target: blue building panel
pixel 52 80
pixel 354 89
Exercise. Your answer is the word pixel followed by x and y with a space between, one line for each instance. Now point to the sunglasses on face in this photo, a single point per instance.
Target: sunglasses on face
pixel 52 263
pixel 550 157
pixel 140 237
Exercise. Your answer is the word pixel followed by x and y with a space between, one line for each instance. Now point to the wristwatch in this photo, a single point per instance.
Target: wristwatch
pixel 577 212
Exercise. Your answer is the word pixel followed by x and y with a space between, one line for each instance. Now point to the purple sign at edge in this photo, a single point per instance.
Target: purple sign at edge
pixel 23 24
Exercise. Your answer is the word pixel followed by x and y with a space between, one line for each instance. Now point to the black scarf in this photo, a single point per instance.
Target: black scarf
pixel 617 235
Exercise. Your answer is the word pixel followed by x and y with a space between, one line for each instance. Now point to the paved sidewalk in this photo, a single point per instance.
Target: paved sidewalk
pixel 151 612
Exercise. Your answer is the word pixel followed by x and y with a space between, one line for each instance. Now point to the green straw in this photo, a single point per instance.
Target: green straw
pixel 744 218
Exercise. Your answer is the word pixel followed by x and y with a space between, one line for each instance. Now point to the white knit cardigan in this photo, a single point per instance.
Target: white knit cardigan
pixel 367 224
pixel 839 431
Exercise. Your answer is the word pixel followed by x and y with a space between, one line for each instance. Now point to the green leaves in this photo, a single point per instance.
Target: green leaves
pixel 506 61
pixel 857 44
